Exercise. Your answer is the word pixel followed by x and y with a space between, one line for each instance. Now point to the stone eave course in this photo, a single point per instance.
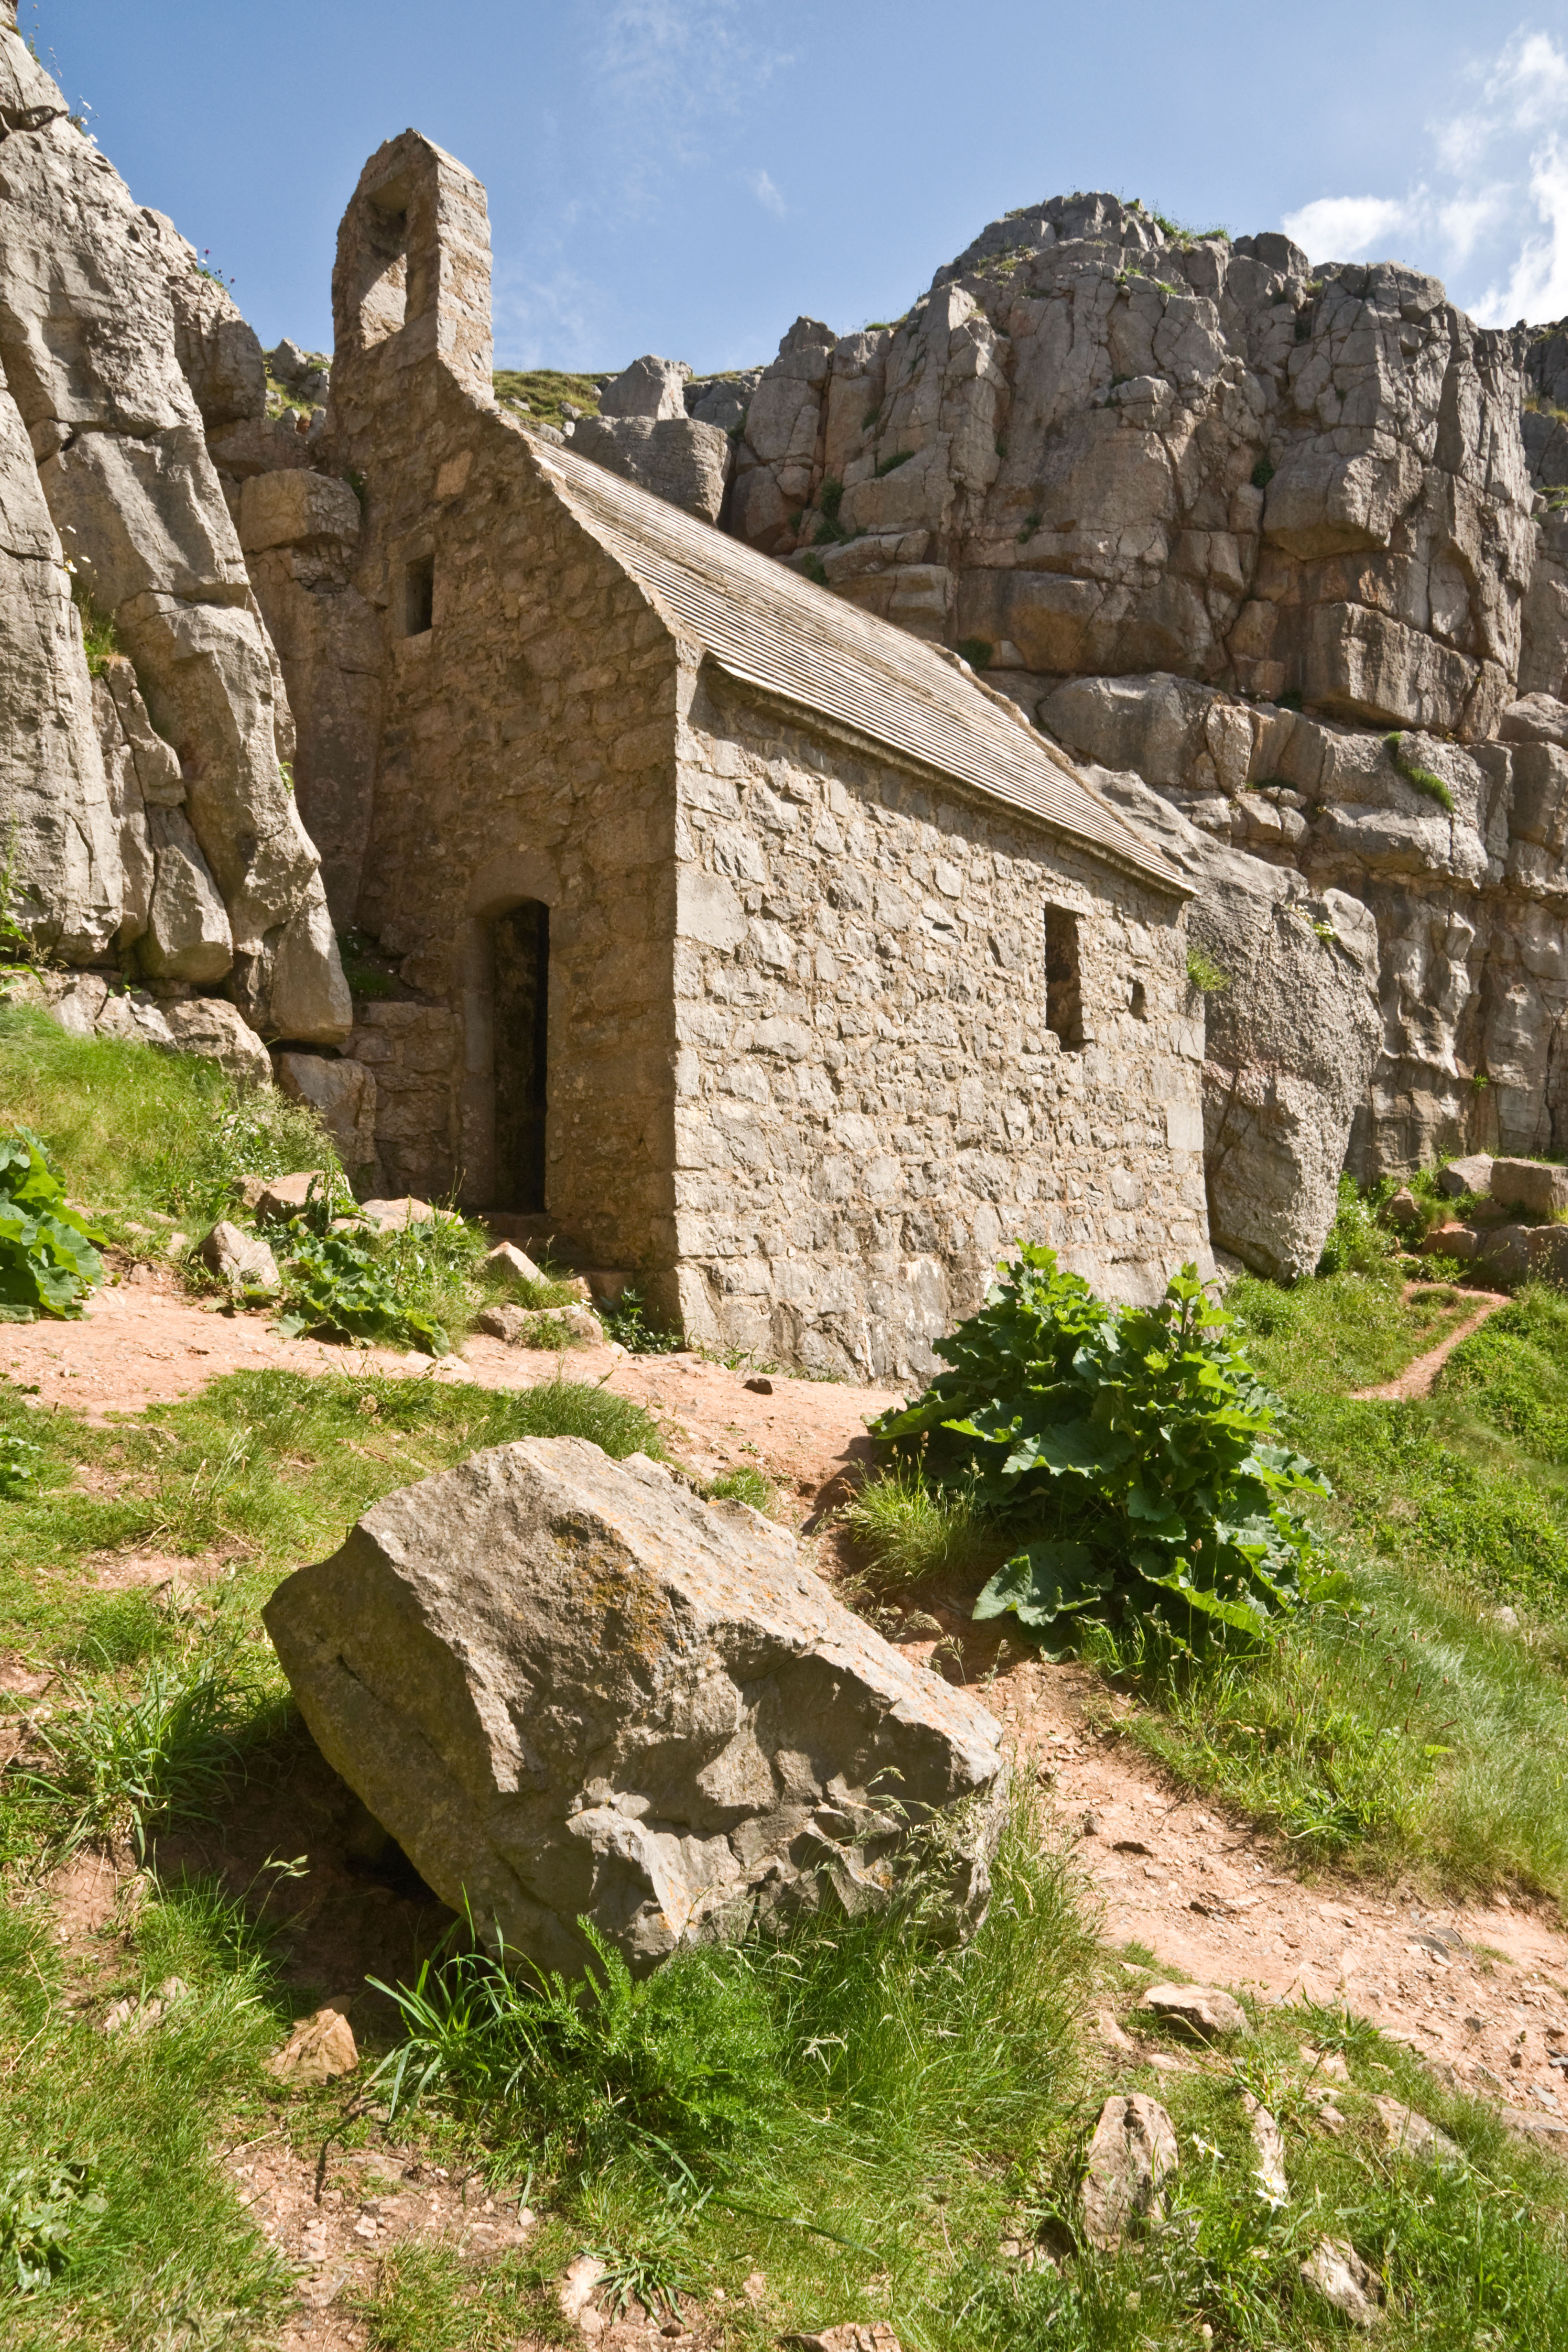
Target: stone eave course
pixel 785 637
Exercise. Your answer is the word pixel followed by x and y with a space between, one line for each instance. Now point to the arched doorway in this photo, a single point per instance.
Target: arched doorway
pixel 521 964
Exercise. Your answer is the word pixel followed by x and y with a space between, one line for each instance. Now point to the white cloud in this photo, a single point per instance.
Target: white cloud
pixel 1347 227
pixel 766 194
pixel 1491 215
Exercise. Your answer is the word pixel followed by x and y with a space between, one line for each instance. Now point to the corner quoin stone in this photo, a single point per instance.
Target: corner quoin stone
pixel 569 1689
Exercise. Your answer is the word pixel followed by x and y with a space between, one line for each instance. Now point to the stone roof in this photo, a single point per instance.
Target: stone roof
pixel 768 627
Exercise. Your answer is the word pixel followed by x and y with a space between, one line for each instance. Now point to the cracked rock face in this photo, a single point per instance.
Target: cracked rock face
pixel 567 1687
pixel 102 307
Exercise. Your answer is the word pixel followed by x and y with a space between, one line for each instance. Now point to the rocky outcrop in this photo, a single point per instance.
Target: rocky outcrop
pixel 571 1690
pixel 1274 537
pixel 644 432
pixel 1093 448
pixel 112 491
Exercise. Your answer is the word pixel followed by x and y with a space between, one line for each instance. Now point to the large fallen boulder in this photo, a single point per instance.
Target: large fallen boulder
pixel 572 1690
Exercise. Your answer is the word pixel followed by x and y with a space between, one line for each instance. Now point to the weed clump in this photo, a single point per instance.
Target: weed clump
pixel 1132 1454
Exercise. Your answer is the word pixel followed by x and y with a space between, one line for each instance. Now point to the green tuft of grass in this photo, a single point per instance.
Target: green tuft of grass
pixel 978 652
pixel 1423 779
pixel 745 1485
pixel 891 464
pixel 99 637
pixel 907 1529
pixel 1209 978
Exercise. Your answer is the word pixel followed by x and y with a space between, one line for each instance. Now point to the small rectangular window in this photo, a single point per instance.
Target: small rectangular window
pixel 418 597
pixel 1064 994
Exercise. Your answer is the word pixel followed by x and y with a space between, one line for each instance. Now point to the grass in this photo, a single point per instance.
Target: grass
pixel 141 1134
pixel 906 1532
pixel 1207 977
pixel 266 1468
pixel 100 638
pixel 835 2110
pixel 1423 779
pixel 547 393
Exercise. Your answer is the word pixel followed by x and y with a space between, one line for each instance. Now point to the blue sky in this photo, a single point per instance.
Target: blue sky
pixel 686 176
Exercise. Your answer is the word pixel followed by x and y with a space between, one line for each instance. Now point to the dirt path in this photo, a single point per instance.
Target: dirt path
pixel 1482 1991
pixel 1416 1378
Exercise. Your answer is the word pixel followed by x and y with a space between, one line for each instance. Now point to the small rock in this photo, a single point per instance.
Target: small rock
pixel 1201 2009
pixel 320 2048
pixel 1270 2143
pixel 1132 2153
pixel 516 1324
pixel 754 2287
pixel 1088 1824
pixel 760 1386
pixel 1110 2033
pixel 396 1216
pixel 1330 2064
pixel 1403 1211
pixel 1336 2271
pixel 243 1260
pixel 507 1258
pixel 246 1192
pixel 1506 1618
pixel 574 2292
pixel 1473 1174
pixel 282 1197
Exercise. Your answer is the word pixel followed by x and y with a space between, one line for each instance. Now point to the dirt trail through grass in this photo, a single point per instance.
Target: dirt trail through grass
pixel 1416 1378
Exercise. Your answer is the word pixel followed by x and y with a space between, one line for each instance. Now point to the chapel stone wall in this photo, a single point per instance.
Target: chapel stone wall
pixel 871 1103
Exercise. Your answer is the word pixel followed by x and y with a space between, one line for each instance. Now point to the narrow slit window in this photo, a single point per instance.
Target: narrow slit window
pixel 1064 991
pixel 419 596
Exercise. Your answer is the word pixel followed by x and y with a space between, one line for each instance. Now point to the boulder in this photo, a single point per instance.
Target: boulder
pixel 1473 1174
pixel 342 1096
pixel 1202 2009
pixel 649 387
pixel 242 1260
pixel 1131 2155
pixel 1335 2272
pixel 1529 1185
pixel 1504 1253
pixel 320 2049
pixel 396 1216
pixel 1462 1242
pixel 210 1027
pixel 673 457
pixel 283 1197
pixel 571 1689
pixel 1548 1254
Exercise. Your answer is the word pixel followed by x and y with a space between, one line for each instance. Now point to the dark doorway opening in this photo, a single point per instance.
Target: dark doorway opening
pixel 522 939
pixel 1064 987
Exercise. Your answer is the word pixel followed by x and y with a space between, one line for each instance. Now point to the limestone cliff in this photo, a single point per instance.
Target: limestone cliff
pixel 1228 520
pixel 113 345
